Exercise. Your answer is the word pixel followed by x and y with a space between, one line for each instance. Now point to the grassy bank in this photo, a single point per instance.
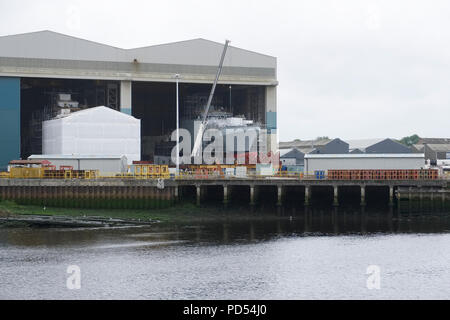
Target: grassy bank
pixel 185 212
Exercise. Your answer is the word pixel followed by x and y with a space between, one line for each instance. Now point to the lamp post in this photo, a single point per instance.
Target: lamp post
pixel 177 78
pixel 230 99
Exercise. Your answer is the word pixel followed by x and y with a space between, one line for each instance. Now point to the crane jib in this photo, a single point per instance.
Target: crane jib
pixel 198 139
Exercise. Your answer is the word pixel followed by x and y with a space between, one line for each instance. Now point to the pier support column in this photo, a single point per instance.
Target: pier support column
pixel 225 195
pixel 252 196
pixel 432 200
pixel 363 196
pixel 252 231
pixel 391 196
pixel 390 217
pixel 443 199
pixel 177 194
pixel 336 196
pixel 307 195
pixel 199 195
pixel 363 219
pixel 410 198
pixel 420 199
pixel 280 196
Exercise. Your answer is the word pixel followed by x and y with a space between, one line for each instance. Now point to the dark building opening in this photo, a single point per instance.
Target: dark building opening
pixel 152 102
pixel 155 104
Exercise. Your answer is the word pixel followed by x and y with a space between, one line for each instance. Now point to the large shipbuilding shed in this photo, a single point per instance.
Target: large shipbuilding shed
pixel 34 67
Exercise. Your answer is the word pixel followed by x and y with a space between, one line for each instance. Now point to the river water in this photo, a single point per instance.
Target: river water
pixel 318 256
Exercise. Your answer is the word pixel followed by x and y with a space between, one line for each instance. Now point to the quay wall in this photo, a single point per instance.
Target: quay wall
pixel 148 193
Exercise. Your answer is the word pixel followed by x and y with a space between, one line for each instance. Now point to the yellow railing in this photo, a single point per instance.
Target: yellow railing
pixel 5 175
pixel 132 176
pixel 70 174
pixel 26 173
pixel 290 174
pixel 153 172
pixel 190 175
pixel 149 171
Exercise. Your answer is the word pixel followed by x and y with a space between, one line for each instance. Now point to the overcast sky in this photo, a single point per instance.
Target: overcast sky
pixel 348 69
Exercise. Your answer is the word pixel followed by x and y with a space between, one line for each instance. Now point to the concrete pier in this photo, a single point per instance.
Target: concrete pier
pixel 432 200
pixel 225 195
pixel 176 193
pixel 363 196
pixel 252 196
pixel 391 196
pixel 127 193
pixel 420 200
pixel 280 196
pixel 427 197
pixel 199 195
pixel 335 196
pixel 307 195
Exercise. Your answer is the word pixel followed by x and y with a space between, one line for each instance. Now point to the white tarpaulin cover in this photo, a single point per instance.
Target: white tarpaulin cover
pixel 94 131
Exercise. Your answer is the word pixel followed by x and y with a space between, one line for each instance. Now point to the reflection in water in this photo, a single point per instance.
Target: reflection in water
pixel 309 253
pixel 136 244
pixel 332 221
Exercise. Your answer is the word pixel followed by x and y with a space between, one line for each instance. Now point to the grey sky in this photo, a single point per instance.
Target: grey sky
pixel 348 69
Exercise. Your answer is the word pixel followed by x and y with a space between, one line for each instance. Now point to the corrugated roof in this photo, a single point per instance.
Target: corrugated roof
pixel 285 151
pixel 295 152
pixel 434 140
pixel 366 155
pixel 25 162
pixel 439 147
pixel 303 144
pixel 356 151
pixel 73 157
pixel 53 45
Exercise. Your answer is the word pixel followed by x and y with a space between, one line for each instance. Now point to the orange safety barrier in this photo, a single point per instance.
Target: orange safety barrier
pixel 400 174
pixel 201 173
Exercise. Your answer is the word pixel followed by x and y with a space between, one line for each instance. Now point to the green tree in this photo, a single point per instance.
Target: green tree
pixel 409 141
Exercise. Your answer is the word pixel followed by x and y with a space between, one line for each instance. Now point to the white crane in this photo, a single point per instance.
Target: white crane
pixel 199 137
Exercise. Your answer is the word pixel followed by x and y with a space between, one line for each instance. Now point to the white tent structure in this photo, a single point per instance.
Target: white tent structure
pixel 96 131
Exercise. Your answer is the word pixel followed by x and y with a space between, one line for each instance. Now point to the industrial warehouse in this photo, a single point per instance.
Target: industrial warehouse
pixel 72 109
pixel 46 74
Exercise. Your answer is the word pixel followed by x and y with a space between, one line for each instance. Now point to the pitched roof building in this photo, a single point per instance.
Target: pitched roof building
pixel 140 82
